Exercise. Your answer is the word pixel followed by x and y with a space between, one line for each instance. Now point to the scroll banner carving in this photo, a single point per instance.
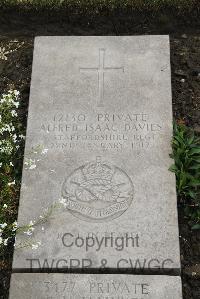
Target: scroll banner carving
pixel 98 191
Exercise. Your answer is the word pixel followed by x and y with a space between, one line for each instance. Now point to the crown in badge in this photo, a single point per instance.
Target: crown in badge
pixel 98 170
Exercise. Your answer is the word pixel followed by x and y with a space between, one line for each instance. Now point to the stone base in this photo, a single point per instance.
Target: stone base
pixel 94 286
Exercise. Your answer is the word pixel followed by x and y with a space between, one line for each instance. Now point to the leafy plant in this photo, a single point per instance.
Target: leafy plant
pixel 11 150
pixel 186 155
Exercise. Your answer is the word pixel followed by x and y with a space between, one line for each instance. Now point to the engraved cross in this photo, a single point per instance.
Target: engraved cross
pixel 101 70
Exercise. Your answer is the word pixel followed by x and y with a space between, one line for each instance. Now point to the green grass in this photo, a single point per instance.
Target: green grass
pixel 102 4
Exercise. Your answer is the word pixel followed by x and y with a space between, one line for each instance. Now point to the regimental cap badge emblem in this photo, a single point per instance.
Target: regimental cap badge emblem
pixel 97 191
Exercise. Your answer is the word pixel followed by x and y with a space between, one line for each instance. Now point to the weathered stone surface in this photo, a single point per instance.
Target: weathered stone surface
pixel 94 286
pixel 102 107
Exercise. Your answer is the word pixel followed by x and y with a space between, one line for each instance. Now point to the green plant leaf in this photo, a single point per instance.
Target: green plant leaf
pixel 178 138
pixel 173 168
pixel 196 166
pixel 197 160
pixel 192 194
pixel 196 226
pixel 175 142
pixel 195 151
pixel 194 183
pixel 191 139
